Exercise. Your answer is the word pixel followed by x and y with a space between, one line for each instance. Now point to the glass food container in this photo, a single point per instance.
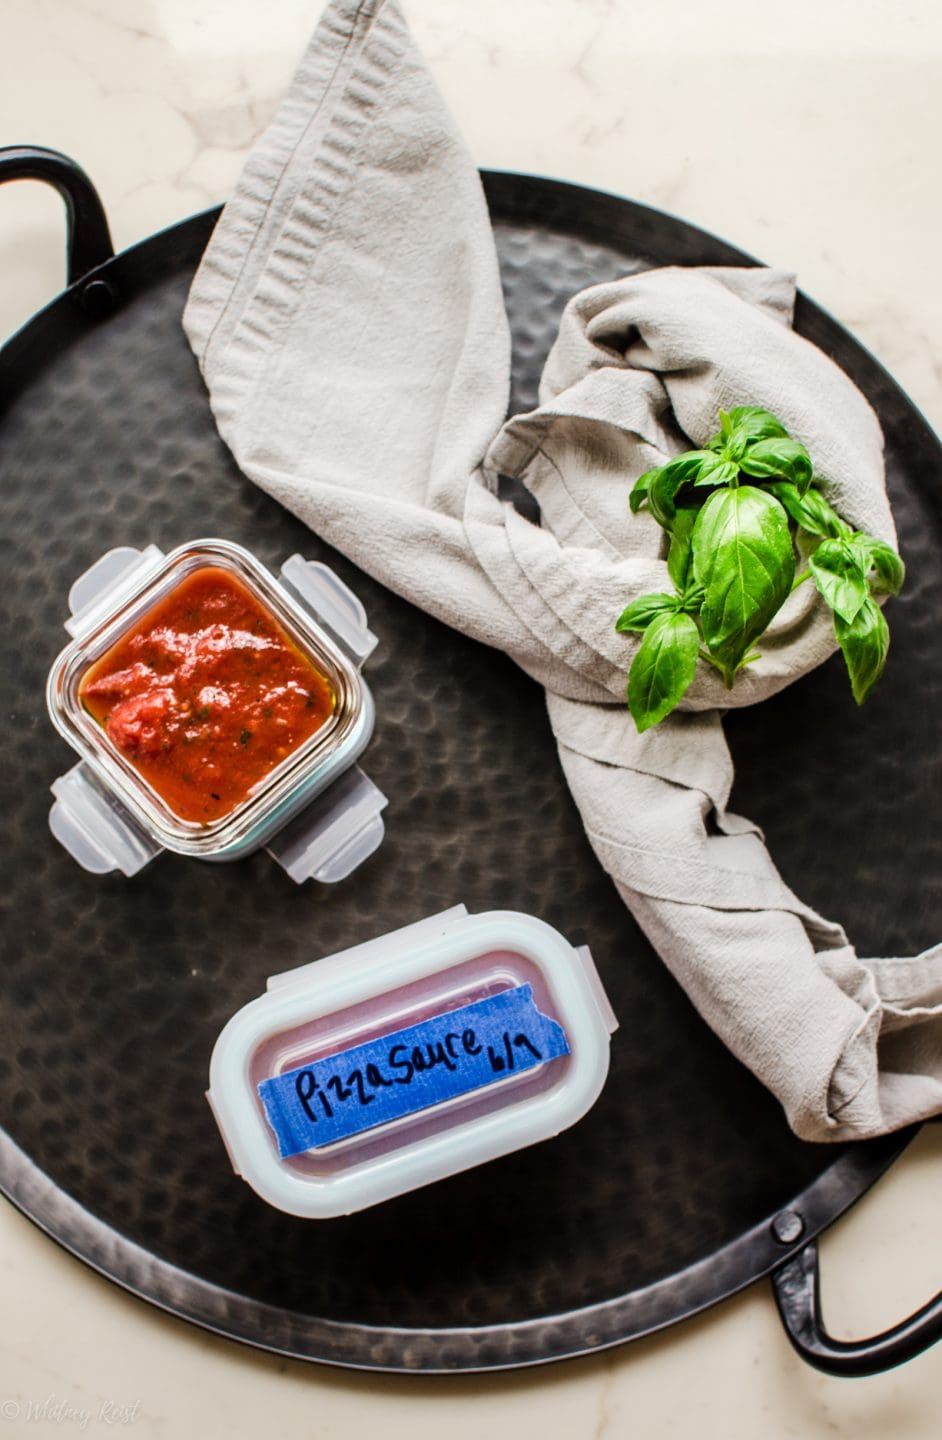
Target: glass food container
pixel 310 804
pixel 414 1056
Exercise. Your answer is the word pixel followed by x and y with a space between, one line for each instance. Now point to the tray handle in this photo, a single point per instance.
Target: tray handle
pixel 88 239
pixel 797 1295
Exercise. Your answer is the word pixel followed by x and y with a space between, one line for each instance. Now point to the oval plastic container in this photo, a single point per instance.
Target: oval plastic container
pixel 317 813
pixel 412 1057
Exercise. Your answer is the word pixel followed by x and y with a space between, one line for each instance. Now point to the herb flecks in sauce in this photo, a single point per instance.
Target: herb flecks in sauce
pixel 206 695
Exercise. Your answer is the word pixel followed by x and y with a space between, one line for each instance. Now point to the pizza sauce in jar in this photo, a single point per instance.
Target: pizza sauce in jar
pixel 206 695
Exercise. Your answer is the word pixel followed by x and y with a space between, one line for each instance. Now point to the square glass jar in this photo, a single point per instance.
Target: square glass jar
pixel 115 609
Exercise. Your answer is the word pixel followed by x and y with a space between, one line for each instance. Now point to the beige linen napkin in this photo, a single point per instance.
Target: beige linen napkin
pixel 349 323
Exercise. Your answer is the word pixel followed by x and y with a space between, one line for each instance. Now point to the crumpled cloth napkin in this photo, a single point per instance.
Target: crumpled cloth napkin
pixel 349 323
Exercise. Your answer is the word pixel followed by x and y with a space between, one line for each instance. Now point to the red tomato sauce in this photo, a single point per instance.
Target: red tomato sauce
pixel 206 694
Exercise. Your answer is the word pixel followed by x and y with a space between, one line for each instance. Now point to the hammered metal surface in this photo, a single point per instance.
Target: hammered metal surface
pixel 114 990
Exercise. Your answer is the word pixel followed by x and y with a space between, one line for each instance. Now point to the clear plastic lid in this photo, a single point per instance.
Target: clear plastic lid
pixel 412 1057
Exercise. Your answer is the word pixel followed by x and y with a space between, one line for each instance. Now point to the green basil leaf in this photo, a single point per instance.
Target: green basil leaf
pixel 747 423
pixel 755 423
pixel 639 491
pixel 678 556
pixel 717 471
pixel 692 598
pixel 884 561
pixel 743 557
pixel 811 511
pixel 840 576
pixel 662 490
pixel 721 439
pixel 663 668
pixel 864 642
pixel 704 457
pixel 779 459
pixel 642 611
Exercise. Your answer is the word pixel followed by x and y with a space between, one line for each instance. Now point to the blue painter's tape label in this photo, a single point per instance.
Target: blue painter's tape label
pixel 409 1070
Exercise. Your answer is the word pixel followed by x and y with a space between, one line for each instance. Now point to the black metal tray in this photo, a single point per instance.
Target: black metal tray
pixel 684 1183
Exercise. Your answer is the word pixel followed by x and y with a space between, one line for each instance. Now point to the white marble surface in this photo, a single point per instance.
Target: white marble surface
pixel 808 134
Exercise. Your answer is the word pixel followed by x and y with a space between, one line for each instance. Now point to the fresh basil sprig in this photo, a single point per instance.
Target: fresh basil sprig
pixel 738 513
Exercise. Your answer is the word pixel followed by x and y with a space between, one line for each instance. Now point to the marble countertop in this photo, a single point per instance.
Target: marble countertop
pixel 807 135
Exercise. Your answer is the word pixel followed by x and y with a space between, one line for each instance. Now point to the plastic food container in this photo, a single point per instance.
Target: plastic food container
pixel 415 1056
pixel 147 622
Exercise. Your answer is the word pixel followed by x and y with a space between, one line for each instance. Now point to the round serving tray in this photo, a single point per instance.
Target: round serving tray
pixel 684 1183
